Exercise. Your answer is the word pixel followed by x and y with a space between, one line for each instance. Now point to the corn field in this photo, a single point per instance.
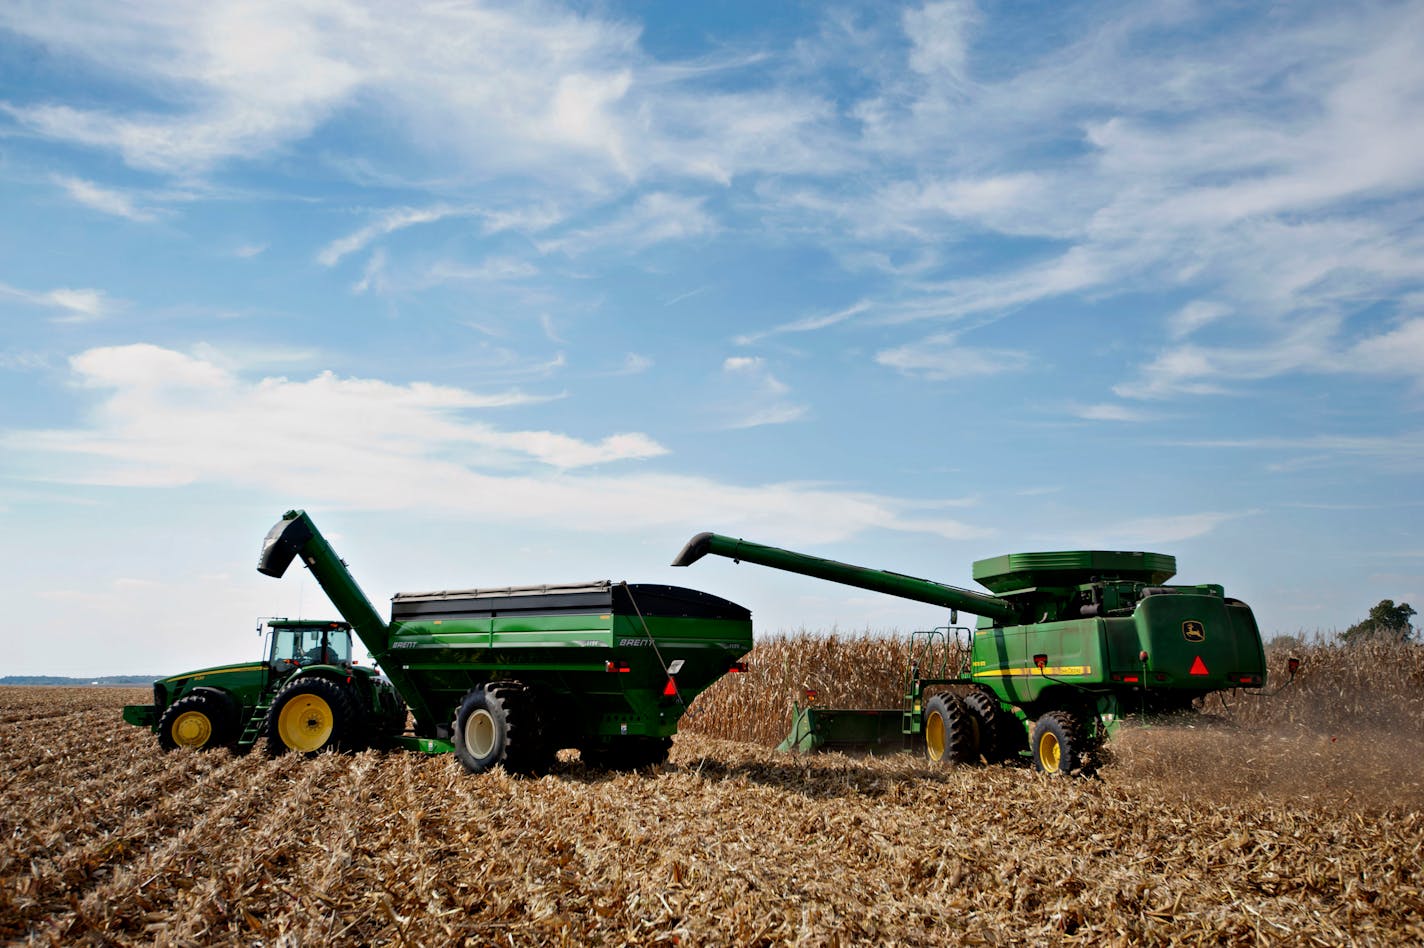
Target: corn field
pixel 1293 821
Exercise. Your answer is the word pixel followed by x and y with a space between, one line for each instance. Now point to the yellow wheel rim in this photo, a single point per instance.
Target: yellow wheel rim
pixel 934 735
pixel 191 729
pixel 306 723
pixel 479 733
pixel 1050 752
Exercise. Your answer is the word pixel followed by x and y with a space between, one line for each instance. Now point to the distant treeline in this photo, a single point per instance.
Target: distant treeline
pixel 133 680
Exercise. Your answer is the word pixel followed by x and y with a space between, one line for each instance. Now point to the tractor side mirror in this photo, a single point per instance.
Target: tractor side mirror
pixel 1292 665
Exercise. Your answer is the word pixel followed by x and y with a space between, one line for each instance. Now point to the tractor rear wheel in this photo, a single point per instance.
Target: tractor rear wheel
pixel 311 715
pixel 202 720
pixel 951 732
pixel 499 724
pixel 1060 745
pixel 993 741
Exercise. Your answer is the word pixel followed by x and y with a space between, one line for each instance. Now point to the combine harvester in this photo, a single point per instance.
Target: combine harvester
pixel 1069 644
pixel 500 676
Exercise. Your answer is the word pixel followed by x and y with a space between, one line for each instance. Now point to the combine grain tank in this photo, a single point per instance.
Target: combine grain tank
pixel 1067 645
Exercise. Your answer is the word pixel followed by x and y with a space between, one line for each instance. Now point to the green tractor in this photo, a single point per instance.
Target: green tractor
pixel 306 694
pixel 1068 645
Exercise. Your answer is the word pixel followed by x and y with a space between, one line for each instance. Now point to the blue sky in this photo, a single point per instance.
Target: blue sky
pixel 533 292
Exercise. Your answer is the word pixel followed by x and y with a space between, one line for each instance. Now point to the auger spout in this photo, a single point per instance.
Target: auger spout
pixel 884 581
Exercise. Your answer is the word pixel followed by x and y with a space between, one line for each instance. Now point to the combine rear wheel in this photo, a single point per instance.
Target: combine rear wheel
pixel 1060 745
pixel 951 731
pixel 202 720
pixel 312 715
pixel 499 724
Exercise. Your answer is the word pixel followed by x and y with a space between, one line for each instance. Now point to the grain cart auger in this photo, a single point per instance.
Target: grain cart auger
pixel 1066 646
pixel 512 675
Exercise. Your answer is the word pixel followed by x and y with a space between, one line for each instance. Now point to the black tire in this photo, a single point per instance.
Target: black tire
pixel 311 715
pixel 951 732
pixel 1060 746
pixel 627 753
pixel 499 724
pixel 202 720
pixel 994 741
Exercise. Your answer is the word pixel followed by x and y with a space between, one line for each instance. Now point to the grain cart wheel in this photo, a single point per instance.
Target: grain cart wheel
pixel 993 741
pixel 499 724
pixel 951 732
pixel 202 720
pixel 311 715
pixel 1059 745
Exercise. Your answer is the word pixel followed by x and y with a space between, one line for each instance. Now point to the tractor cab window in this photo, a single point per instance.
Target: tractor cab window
pixel 321 646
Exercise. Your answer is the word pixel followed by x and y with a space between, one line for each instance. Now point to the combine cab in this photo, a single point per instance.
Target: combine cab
pixel 1068 644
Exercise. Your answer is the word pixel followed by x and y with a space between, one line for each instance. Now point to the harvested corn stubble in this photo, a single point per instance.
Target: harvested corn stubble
pixel 1252 830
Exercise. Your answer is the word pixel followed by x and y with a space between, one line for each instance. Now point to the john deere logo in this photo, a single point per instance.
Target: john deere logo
pixel 1193 631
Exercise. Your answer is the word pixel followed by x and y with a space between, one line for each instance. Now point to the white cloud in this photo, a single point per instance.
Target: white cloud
pixel 164 418
pixel 1194 316
pixel 107 200
pixel 807 324
pixel 388 223
pixel 1397 351
pixel 1112 412
pixel 74 305
pixel 942 357
pixel 475 91
pixel 757 397
pixel 653 218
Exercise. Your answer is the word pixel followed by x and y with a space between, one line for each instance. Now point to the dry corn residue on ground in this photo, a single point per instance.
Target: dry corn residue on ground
pixel 1300 824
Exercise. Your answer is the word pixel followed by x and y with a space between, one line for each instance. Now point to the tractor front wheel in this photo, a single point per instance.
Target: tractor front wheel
pixel 1060 745
pixel 202 720
pixel 311 715
pixel 951 731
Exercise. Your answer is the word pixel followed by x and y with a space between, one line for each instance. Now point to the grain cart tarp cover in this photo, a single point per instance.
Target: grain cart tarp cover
pixel 513 674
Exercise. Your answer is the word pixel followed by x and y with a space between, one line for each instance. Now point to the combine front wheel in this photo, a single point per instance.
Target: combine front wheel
pixel 951 731
pixel 1059 745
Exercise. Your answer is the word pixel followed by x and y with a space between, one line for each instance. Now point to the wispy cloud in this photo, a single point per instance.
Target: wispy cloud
pixel 942 357
pixel 72 305
pixel 1111 411
pixel 653 218
pixel 806 324
pixel 756 396
pixel 106 200
pixel 388 223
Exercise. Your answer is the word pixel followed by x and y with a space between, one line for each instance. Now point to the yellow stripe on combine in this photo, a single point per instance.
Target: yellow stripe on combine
pixel 1060 671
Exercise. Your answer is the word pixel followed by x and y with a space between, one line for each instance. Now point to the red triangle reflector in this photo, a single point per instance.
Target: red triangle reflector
pixel 670 689
pixel 1198 667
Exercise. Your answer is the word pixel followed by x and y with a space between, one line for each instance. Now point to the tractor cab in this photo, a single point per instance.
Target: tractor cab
pixel 297 643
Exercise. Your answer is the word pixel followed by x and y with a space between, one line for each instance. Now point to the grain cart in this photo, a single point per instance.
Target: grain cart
pixel 306 663
pixel 512 675
pixel 1067 644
